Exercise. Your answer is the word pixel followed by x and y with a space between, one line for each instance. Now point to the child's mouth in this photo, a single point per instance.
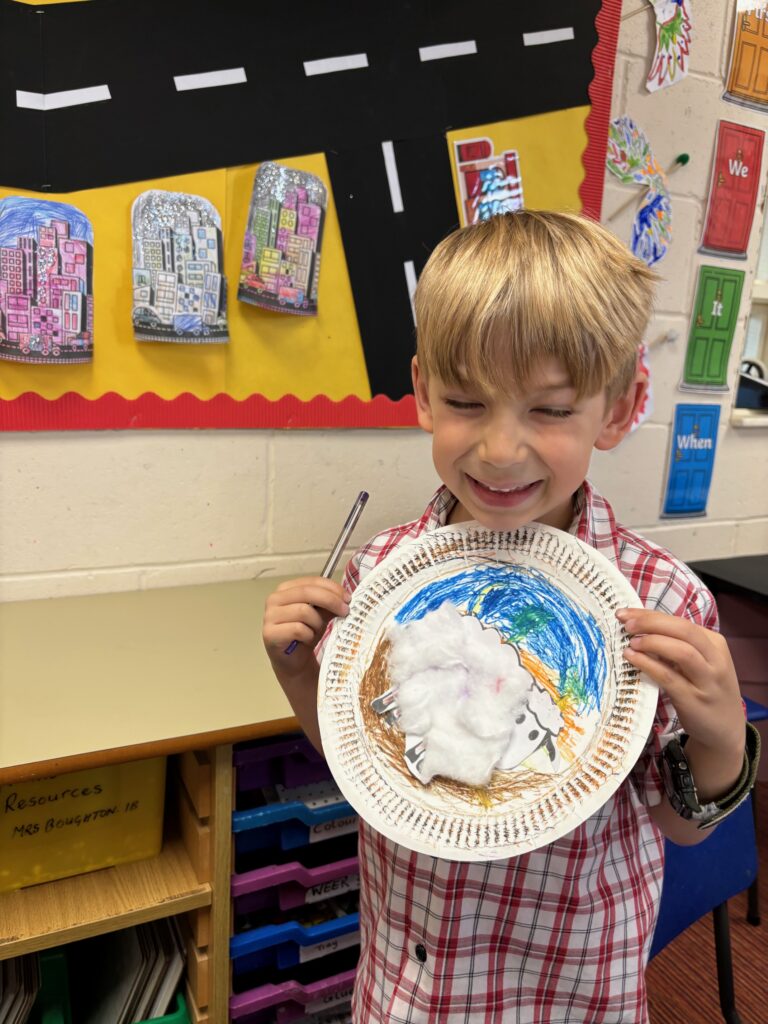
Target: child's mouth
pixel 502 497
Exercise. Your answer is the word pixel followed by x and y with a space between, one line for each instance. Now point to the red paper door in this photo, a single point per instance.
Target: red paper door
pixel 733 192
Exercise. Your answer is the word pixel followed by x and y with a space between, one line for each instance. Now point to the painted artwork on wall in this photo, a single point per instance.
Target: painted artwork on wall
pixel 489 183
pixel 520 628
pixel 746 82
pixel 179 287
pixel 691 460
pixel 733 190
pixel 674 31
pixel 645 408
pixel 631 159
pixel 46 282
pixel 378 130
pixel 283 240
pixel 713 321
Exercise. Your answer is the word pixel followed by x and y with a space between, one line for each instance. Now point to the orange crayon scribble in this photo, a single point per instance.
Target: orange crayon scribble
pixel 547 678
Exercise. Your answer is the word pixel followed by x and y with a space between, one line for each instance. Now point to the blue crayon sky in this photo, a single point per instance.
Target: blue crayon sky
pixel 529 610
pixel 21 216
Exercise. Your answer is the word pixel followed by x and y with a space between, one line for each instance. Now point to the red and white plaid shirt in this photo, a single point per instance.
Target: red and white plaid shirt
pixel 557 936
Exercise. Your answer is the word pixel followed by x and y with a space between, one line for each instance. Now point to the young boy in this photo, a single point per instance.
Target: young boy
pixel 528 328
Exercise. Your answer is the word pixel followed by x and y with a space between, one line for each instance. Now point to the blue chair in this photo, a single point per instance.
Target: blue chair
pixel 700 879
pixel 755 713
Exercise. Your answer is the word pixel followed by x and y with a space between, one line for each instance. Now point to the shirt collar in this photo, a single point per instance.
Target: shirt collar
pixel 593 519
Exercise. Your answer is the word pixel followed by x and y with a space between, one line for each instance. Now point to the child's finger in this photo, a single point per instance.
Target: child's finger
pixel 641 620
pixel 679 652
pixel 663 674
pixel 306 614
pixel 331 599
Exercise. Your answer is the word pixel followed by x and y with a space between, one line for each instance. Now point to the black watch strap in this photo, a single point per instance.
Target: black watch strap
pixel 681 787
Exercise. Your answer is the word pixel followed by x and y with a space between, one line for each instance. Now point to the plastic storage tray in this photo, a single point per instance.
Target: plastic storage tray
pixel 289 761
pixel 286 886
pixel 306 815
pixel 290 999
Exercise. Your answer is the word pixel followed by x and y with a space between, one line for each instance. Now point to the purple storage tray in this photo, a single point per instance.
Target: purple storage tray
pixel 290 762
pixel 255 890
pixel 300 999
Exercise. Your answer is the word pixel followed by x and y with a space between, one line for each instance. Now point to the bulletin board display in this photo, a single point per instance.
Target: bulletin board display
pixel 540 122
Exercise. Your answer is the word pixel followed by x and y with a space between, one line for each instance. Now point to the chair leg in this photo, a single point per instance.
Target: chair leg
pixel 724 964
pixel 753 893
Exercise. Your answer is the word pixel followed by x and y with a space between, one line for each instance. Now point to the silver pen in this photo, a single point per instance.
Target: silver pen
pixel 338 547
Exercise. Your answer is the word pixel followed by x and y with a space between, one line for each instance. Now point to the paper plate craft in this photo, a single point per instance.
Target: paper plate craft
pixel 46 282
pixel 674 30
pixel 281 252
pixel 474 704
pixel 631 159
pixel 179 288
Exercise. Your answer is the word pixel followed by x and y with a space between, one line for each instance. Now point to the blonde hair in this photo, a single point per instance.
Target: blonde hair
pixel 498 299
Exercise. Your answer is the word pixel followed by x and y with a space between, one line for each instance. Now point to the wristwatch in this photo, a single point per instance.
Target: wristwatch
pixel 681 788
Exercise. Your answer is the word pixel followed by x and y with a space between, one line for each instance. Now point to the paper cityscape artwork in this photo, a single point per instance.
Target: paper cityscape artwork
pixel 46 282
pixel 281 251
pixel 490 184
pixel 179 287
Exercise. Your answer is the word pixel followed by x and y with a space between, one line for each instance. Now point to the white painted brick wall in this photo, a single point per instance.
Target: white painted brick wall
pixel 93 512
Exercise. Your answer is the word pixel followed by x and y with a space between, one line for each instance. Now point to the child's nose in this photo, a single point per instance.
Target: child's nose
pixel 503 445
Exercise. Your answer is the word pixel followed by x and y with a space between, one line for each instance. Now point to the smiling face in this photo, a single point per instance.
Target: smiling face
pixel 516 458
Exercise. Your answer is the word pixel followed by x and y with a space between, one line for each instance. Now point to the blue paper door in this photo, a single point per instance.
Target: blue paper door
pixel 694 440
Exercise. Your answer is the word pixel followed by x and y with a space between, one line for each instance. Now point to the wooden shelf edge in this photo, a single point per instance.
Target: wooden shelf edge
pixel 153 748
pixel 103 901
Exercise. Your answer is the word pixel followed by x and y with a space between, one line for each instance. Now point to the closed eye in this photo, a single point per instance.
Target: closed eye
pixel 555 413
pixel 456 403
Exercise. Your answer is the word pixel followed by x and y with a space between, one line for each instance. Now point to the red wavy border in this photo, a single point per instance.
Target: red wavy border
pixel 607 24
pixel 113 412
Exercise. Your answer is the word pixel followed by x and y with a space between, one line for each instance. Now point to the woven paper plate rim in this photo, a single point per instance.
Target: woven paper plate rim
pixel 399 807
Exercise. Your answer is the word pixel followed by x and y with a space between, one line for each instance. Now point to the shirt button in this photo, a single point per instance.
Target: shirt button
pixel 421 954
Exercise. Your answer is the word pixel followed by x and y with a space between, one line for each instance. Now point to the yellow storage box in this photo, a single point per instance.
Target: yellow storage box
pixel 69 824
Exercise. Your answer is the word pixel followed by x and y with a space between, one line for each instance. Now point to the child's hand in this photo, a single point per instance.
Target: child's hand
pixel 300 610
pixel 693 666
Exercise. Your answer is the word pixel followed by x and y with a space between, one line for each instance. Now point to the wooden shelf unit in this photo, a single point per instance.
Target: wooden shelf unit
pixel 103 901
pixel 188 676
pixel 190 877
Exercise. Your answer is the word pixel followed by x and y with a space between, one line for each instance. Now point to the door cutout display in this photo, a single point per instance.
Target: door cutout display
pixel 747 82
pixel 692 457
pixel 712 325
pixel 733 190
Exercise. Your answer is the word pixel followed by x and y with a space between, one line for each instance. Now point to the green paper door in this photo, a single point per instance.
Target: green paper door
pixel 714 319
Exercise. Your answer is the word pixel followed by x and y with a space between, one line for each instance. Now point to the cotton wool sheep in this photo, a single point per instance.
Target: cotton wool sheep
pixel 467 695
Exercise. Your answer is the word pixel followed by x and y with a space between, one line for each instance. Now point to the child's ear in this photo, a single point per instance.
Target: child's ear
pixel 621 412
pixel 421 394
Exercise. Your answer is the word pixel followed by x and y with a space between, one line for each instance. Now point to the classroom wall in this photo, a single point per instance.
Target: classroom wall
pixel 93 512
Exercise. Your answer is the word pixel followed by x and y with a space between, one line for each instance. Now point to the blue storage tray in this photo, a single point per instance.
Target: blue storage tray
pixel 279 945
pixel 289 825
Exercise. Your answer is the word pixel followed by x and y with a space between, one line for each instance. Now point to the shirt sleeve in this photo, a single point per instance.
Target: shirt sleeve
pixel 699 608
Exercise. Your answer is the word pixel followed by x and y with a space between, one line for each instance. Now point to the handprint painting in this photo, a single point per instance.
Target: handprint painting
pixel 497 678
pixel 474 703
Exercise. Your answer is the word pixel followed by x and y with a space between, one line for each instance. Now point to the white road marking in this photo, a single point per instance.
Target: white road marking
pixel 555 35
pixel 328 65
pixel 392 176
pixel 210 79
pixel 444 50
pixel 67 98
pixel 410 280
